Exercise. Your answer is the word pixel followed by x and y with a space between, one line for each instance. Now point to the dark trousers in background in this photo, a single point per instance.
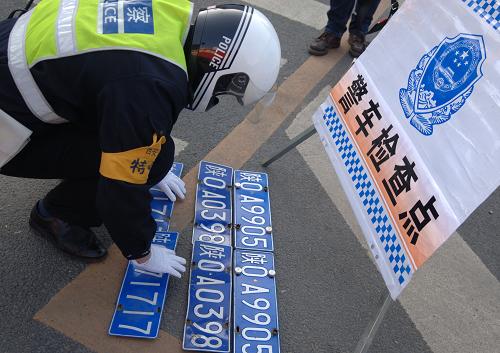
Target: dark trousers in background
pixel 341 10
pixel 67 153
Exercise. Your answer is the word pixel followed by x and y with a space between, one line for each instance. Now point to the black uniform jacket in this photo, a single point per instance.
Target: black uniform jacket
pixel 124 98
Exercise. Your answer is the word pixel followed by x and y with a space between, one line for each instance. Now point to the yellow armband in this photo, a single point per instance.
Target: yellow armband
pixel 131 166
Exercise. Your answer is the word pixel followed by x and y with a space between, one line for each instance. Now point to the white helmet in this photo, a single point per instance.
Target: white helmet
pixel 232 49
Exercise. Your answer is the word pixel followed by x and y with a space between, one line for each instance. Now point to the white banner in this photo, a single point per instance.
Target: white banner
pixel 413 129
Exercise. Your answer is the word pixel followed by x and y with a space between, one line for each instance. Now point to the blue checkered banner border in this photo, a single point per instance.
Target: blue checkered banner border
pixel 369 197
pixel 488 10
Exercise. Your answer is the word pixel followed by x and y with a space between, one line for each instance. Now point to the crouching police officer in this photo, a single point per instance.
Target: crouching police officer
pixel 89 93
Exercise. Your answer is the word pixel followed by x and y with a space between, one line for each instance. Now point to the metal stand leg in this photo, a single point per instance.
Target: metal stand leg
pixel 371 330
pixel 294 143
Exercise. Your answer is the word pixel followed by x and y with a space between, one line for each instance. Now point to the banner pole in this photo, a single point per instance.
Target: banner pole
pixel 293 143
pixel 366 339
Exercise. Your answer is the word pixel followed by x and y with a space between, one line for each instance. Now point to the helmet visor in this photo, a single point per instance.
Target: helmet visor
pixel 233 84
pixel 239 86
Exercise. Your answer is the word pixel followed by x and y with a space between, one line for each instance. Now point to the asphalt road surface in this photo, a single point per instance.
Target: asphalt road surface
pixel 328 286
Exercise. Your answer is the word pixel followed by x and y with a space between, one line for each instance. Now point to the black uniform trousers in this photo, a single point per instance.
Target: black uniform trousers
pixel 68 153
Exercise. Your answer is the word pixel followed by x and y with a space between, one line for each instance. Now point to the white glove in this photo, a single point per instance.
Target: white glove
pixel 171 185
pixel 162 260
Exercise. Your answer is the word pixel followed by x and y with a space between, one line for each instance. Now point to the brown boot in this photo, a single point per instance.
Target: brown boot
pixel 358 44
pixel 323 43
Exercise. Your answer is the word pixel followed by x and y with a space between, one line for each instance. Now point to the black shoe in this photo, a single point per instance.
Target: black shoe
pixel 323 43
pixel 358 44
pixel 73 239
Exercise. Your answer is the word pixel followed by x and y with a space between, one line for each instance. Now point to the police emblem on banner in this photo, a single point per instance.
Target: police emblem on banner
pixel 442 81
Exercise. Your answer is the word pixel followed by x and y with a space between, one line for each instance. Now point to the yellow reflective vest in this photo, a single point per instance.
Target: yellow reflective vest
pixel 61 28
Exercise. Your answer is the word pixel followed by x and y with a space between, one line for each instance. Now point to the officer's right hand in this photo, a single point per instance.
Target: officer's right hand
pixel 161 260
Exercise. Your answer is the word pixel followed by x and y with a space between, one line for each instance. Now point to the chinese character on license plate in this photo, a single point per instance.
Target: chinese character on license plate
pixel 252 212
pixel 161 206
pixel 213 210
pixel 208 316
pixel 141 299
pixel 255 327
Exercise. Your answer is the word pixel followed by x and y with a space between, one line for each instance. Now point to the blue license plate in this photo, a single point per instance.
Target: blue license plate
pixel 208 315
pixel 252 212
pixel 213 210
pixel 161 206
pixel 142 296
pixel 255 326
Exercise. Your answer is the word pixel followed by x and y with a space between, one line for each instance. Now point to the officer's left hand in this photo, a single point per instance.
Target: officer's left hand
pixel 172 185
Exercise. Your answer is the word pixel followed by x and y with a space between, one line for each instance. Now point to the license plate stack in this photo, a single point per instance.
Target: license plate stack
pixel 142 295
pixel 232 303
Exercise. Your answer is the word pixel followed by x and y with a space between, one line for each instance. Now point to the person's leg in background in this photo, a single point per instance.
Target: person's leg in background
pixel 69 210
pixel 338 15
pixel 360 24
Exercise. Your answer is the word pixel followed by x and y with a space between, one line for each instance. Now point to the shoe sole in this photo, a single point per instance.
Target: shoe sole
pixel 321 53
pixel 317 52
pixel 43 233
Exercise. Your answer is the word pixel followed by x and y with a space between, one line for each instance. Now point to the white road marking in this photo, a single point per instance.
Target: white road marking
pixel 454 299
pixel 309 12
pixel 180 145
pixel 283 62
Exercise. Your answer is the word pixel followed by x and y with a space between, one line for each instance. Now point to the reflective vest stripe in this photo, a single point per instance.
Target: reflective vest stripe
pixel 186 31
pixel 22 76
pixel 66 39
pixel 121 24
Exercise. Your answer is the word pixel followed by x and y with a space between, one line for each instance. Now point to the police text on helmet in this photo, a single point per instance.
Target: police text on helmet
pixel 220 52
